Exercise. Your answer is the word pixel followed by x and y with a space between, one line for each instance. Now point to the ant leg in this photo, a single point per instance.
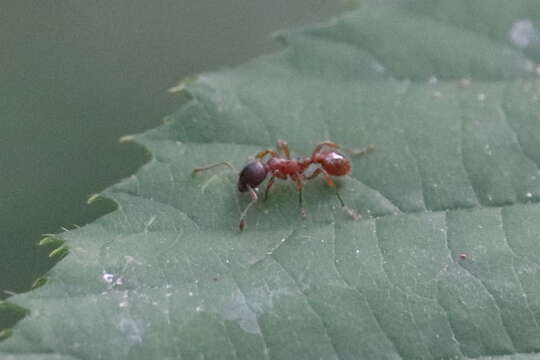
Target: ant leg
pixel 327 177
pixel 352 213
pixel 283 146
pixel 299 186
pixel 262 154
pixel 361 151
pixel 203 168
pixel 268 186
pixel 254 198
pixel 329 144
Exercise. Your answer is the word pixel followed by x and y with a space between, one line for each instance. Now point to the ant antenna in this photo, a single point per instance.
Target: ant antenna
pixel 254 198
pixel 204 168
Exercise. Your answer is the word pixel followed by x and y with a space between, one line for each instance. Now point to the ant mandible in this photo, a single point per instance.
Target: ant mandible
pixel 331 162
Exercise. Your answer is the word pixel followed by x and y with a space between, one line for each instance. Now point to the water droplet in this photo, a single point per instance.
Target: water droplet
pixel 378 67
pixel 190 293
pixel 357 251
pixel 433 80
pixel 529 195
pixel 108 277
pixel 283 240
pixel 481 97
pixel 199 308
pixel 523 32
pixel 123 304
pixel 227 261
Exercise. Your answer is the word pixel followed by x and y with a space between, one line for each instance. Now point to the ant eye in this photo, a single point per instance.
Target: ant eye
pixel 251 175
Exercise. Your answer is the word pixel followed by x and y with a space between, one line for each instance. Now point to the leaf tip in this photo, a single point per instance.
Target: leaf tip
pixel 93 198
pixel 181 86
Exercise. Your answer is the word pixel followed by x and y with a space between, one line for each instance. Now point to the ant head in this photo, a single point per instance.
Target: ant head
pixel 335 164
pixel 252 175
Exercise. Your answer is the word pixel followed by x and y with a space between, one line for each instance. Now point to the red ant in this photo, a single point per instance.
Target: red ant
pixel 332 163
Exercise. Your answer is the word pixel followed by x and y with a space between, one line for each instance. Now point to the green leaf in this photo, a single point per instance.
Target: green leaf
pixel 443 264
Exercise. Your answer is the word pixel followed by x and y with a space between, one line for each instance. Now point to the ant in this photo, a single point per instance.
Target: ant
pixel 331 163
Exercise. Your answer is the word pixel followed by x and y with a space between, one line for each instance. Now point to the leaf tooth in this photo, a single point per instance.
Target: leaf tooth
pixel 50 240
pixel 5 333
pixel 39 282
pixel 59 253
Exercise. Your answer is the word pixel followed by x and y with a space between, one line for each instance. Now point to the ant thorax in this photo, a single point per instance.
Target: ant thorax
pixel 283 166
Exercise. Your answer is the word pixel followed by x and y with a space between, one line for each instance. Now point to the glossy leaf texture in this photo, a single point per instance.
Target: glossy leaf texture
pixel 443 264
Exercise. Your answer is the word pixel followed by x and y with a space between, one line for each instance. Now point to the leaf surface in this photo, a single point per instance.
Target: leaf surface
pixel 443 264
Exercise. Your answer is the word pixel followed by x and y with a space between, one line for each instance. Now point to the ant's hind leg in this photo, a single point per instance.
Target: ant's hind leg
pixel 329 144
pixel 254 198
pixel 221 163
pixel 361 151
pixel 327 177
pixel 351 212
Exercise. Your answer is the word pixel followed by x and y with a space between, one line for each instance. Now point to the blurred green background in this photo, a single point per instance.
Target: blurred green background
pixel 77 75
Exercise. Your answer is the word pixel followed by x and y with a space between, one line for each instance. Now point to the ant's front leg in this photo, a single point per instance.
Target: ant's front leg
pixel 268 186
pixel 254 198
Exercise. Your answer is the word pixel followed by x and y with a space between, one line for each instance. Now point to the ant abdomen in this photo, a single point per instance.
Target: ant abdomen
pixel 335 163
pixel 252 175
